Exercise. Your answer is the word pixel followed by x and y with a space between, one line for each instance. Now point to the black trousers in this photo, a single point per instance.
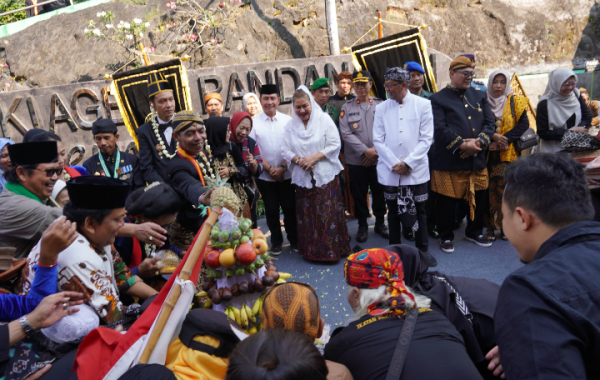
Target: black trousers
pixel 394 225
pixel 360 180
pixel 430 208
pixel 274 195
pixel 445 215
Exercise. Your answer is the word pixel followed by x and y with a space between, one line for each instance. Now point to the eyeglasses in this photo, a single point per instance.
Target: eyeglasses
pixel 467 74
pixel 569 84
pixel 390 86
pixel 51 172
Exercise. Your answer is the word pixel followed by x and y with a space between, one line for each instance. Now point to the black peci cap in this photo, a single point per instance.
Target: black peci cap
pixel 33 153
pixel 104 126
pixel 97 192
pixel 268 89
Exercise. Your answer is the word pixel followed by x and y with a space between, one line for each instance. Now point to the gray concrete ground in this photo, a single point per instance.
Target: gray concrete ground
pixel 468 260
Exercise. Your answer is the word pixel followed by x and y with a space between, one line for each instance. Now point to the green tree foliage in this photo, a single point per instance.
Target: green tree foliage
pixel 9 5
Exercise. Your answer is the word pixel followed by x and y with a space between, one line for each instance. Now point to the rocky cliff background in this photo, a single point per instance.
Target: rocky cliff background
pixel 525 36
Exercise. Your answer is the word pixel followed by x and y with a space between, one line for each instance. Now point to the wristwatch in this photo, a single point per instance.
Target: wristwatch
pixel 25 325
pixel 284 168
pixel 297 160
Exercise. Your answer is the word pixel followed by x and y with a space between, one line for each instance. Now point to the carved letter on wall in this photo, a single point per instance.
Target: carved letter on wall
pixel 10 115
pixel 235 83
pixel 254 83
pixel 37 123
pixel 79 151
pixel 97 109
pixel 202 84
pixel 56 102
pixel 279 78
pixel 332 74
pixel 311 75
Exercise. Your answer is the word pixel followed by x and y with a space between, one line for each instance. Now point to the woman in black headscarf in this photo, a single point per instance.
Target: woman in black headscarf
pixel 226 158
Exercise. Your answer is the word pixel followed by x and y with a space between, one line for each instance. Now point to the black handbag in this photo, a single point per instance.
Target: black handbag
pixel 529 139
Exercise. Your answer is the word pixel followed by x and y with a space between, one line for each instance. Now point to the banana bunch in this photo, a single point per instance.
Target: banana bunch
pixel 258 305
pixel 284 276
pixel 235 314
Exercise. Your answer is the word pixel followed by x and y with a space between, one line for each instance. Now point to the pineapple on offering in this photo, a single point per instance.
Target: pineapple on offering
pixel 222 195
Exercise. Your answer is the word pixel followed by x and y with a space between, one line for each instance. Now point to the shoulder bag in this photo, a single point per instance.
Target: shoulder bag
pixel 401 351
pixel 529 139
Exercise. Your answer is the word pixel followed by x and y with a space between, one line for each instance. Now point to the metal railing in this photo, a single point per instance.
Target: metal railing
pixel 29 7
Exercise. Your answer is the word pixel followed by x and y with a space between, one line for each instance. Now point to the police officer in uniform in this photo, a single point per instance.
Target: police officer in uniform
pixel 356 127
pixel 110 161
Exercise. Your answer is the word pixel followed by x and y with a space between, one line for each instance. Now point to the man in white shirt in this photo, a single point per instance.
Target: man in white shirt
pixel 402 135
pixel 275 183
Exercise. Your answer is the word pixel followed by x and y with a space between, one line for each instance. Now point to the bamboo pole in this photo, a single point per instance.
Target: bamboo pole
pixel 186 271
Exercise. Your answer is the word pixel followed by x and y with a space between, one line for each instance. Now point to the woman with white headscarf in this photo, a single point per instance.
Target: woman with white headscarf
pixel 510 112
pixel 5 163
pixel 561 108
pixel 311 148
pixel 251 104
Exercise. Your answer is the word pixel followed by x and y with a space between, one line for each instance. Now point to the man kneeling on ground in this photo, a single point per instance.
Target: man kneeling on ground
pixel 381 303
pixel 91 265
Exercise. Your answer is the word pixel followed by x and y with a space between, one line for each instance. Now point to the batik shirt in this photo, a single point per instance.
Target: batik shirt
pixel 99 273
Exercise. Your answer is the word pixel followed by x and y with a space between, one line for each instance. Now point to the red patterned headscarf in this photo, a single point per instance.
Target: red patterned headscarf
pixel 372 268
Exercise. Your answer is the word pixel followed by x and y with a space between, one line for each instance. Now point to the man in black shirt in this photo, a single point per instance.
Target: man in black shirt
pixel 110 161
pixel 344 92
pixel 548 313
pixel 156 142
pixel 381 301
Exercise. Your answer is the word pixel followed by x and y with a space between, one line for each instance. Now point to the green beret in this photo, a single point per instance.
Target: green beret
pixel 319 83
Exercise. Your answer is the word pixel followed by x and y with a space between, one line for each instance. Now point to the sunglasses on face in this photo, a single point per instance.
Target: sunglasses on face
pixel 52 172
pixel 467 74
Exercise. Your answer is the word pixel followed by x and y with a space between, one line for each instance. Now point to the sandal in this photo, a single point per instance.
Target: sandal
pixel 502 236
pixel 490 235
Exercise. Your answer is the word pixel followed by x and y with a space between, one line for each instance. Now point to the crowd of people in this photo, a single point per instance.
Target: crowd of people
pixel 93 239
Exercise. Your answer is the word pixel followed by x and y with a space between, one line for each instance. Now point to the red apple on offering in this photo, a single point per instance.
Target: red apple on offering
pixel 245 254
pixel 212 259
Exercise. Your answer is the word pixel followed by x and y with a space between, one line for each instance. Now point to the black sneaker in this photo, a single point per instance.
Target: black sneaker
pixel 294 247
pixel 362 234
pixel 410 236
pixel 276 250
pixel 434 234
pixel 430 259
pixel 382 230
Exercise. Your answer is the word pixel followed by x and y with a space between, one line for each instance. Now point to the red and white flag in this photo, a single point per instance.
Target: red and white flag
pixel 105 354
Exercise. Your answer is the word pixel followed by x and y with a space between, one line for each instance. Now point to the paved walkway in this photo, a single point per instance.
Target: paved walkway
pixel 468 260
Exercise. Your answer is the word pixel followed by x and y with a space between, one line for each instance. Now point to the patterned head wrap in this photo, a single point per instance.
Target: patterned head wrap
pixel 185 119
pixel 292 306
pixel 461 62
pixel 372 268
pixel 397 73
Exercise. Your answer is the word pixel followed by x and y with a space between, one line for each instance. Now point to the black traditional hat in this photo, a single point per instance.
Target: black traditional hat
pixel 104 126
pixel 157 84
pixel 97 192
pixel 268 89
pixel 33 153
